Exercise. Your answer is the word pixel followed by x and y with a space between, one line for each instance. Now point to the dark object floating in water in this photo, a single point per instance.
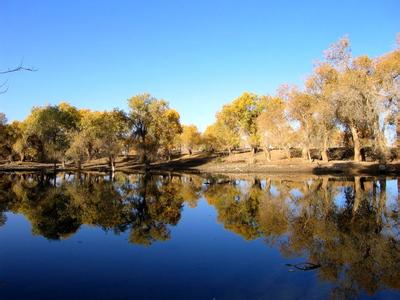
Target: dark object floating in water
pixel 307 266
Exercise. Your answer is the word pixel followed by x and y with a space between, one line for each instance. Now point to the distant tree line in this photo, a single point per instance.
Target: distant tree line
pixel 56 133
pixel 347 101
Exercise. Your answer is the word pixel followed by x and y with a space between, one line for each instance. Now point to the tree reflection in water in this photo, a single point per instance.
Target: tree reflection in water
pixel 347 226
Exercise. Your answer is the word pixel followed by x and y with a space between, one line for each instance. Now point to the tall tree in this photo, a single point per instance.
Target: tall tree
pixel 357 98
pixel 239 117
pixel 25 144
pixel 388 81
pixel 52 126
pixel 320 85
pixel 5 146
pixel 301 107
pixel 273 125
pixel 219 136
pixel 190 137
pixel 111 139
pixel 170 131
pixel 153 125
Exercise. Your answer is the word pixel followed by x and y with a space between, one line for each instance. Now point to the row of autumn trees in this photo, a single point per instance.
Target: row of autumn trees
pixel 346 101
pixel 62 132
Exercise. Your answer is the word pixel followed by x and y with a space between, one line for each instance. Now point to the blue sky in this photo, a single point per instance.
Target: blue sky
pixel 197 55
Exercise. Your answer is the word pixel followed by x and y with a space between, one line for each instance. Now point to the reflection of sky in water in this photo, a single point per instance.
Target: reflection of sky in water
pixel 296 193
pixel 392 201
pixel 274 191
pixel 340 199
pixel 201 260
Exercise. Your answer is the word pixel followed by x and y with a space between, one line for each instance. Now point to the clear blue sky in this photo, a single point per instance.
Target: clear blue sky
pixel 198 55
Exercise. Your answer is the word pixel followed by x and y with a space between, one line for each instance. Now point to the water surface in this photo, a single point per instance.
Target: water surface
pixel 198 237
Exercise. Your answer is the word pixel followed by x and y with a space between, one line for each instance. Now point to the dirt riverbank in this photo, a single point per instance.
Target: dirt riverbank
pixel 213 163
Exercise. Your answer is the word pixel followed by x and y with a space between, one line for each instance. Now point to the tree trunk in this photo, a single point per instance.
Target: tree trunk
pixel 257 183
pixel 324 152
pixel 143 150
pixel 127 149
pixel 357 144
pixel 268 154
pixel 357 193
pixel 382 199
pixel 324 155
pixel 89 151
pixel 112 164
pixel 306 152
pixel 381 144
pixel 327 199
pixel 268 185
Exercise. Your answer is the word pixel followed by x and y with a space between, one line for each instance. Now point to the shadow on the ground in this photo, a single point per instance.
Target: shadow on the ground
pixel 186 162
pixel 352 168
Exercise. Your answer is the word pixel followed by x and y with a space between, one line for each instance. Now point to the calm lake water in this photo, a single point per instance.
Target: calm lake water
pixel 191 237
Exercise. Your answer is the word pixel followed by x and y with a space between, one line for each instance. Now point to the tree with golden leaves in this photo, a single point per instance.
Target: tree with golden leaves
pixel 319 86
pixel 190 137
pixel 170 131
pixel 153 124
pixel 238 119
pixel 361 97
pixel 301 108
pixel 273 126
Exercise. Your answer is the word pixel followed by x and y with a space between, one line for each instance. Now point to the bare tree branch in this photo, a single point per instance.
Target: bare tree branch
pixel 3 86
pixel 19 68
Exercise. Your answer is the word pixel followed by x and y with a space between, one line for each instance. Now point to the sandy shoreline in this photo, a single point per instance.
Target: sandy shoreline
pixel 210 165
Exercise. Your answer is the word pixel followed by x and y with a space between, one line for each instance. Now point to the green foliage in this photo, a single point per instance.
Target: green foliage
pixel 154 126
pixel 51 126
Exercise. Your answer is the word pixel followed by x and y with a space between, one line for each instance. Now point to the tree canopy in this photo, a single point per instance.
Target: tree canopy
pixel 346 100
